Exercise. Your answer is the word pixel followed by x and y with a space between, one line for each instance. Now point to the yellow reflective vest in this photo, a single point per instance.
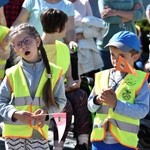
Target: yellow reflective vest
pixel 124 129
pixel 2 68
pixel 23 101
pixel 62 57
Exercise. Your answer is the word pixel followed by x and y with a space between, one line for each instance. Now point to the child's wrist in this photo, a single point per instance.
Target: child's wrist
pixel 14 116
pixel 96 100
pixel 46 112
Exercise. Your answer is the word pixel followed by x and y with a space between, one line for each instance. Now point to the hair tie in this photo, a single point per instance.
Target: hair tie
pixel 49 76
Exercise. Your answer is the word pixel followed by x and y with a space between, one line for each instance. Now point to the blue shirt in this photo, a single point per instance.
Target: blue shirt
pixel 3 2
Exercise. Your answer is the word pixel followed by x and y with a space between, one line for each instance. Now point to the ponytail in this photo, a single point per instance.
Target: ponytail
pixel 48 96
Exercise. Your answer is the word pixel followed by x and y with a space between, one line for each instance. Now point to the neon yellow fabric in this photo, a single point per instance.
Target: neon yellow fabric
pixel 3 32
pixel 23 100
pixel 60 57
pixel 123 128
pixel 2 68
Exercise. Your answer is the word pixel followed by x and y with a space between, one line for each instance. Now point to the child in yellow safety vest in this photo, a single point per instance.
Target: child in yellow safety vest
pixel 4 49
pixel 120 97
pixel 54 27
pixel 30 92
pixel 4 55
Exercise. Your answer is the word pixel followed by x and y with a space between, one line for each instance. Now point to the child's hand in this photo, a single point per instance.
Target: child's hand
pixel 23 116
pixel 72 46
pixel 107 96
pixel 72 85
pixel 39 117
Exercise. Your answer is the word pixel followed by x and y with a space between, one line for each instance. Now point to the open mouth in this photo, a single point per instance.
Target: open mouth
pixel 27 53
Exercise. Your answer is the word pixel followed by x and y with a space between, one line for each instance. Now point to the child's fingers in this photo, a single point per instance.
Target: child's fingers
pixel 38 112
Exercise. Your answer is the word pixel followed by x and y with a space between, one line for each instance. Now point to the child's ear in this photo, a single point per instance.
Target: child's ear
pixel 136 56
pixel 38 41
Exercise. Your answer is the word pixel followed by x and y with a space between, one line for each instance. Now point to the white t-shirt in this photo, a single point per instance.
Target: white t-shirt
pixel 82 9
pixel 36 7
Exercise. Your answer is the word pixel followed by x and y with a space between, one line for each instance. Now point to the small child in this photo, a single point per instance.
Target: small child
pixel 30 90
pixel 4 49
pixel 118 98
pixel 54 27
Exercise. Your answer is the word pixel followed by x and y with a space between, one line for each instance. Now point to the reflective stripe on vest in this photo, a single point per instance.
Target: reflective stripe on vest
pixel 23 101
pixel 123 128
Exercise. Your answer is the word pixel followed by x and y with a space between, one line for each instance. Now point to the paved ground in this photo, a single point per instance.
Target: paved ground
pixel 69 144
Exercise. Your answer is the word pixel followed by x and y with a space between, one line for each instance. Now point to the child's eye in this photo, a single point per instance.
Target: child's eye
pixel 112 54
pixel 27 41
pixel 18 44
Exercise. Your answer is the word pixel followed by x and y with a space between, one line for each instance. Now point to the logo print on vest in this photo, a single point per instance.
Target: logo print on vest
pixel 126 94
pixel 130 82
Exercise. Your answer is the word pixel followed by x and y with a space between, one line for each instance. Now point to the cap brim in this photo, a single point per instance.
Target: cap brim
pixel 120 46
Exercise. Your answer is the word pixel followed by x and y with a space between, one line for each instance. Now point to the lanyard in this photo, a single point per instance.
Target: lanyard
pixel 113 83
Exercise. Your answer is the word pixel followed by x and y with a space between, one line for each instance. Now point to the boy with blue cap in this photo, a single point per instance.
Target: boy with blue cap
pixel 119 99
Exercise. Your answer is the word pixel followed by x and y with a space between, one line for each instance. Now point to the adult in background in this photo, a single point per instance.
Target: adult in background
pixel 89 60
pixel 2 15
pixel 12 10
pixel 119 15
pixel 95 9
pixel 32 9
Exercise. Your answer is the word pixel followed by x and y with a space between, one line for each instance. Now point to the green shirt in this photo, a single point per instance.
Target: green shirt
pixel 114 23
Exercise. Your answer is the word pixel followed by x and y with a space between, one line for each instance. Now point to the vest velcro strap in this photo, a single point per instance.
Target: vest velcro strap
pixel 125 126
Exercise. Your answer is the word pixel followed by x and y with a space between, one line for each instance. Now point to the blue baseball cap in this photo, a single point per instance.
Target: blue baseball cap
pixel 125 41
